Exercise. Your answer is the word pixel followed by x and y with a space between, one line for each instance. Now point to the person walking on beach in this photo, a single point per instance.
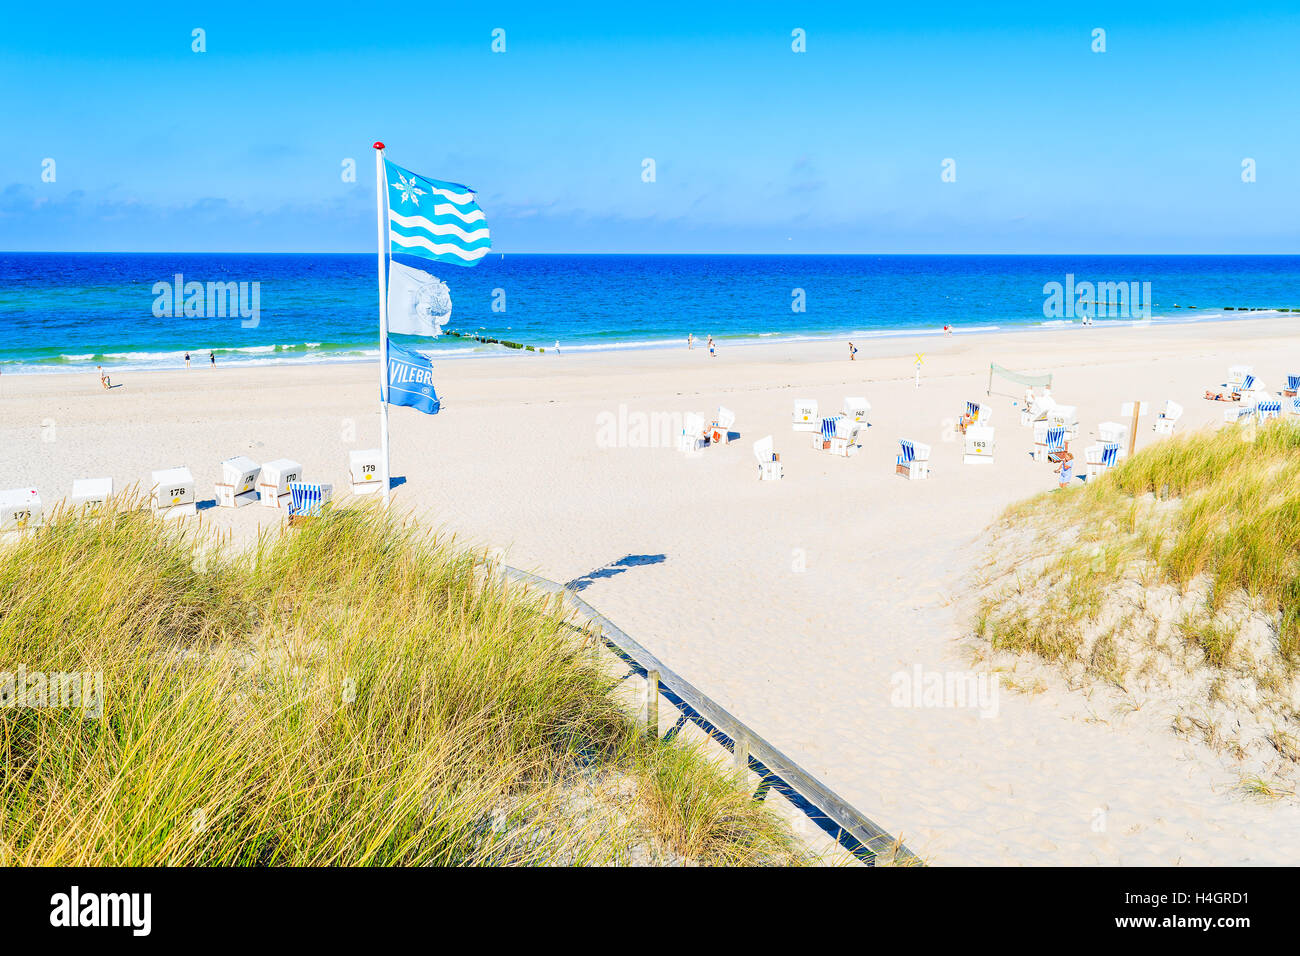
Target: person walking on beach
pixel 187 359
pixel 557 346
pixel 1066 467
pixel 853 353
pixel 712 348
pixel 212 357
pixel 104 381
pixel 690 341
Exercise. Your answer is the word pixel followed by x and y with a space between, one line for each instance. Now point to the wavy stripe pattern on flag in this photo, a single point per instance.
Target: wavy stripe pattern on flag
pixel 434 219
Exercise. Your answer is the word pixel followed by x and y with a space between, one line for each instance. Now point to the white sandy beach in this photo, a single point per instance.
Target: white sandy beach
pixel 714 587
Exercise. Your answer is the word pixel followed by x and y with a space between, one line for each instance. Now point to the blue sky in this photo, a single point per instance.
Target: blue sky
pixel 758 149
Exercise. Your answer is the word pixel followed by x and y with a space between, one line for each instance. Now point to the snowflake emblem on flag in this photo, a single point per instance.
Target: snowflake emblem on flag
pixel 408 189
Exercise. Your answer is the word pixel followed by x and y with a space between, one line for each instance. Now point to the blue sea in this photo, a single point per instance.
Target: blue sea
pixel 62 311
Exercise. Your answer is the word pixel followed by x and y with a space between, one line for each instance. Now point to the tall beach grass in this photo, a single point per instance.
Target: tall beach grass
pixel 352 692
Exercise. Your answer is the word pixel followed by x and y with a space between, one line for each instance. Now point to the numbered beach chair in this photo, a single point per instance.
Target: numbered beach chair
pixel 1067 417
pixel 172 493
pixel 364 469
pixel 308 500
pixel 20 510
pixel 1237 375
pixel 691 438
pixel 979 445
pixel 769 462
pixel 805 417
pixel 273 485
pixel 719 431
pixel 238 484
pixel 856 409
pixel 1268 409
pixel 1238 413
pixel 1049 440
pixel 89 494
pixel 1168 418
pixel 844 440
pixel 913 461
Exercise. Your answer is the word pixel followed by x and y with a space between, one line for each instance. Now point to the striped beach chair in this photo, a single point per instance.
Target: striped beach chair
pixel 826 429
pixel 308 499
pixel 1268 409
pixel 1292 386
pixel 1048 440
pixel 1099 458
pixel 1238 413
pixel 1292 406
pixel 913 461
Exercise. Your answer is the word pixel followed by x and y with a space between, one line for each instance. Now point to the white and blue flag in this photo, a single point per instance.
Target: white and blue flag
pixel 418 303
pixel 410 380
pixel 434 219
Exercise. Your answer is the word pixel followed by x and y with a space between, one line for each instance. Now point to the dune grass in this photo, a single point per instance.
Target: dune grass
pixel 1184 559
pixel 350 692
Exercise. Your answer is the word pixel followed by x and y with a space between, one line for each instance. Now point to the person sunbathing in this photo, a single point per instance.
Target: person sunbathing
pixel 967 419
pixel 1213 396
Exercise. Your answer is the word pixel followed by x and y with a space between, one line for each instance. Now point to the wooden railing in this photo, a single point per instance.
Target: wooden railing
pixel 823 806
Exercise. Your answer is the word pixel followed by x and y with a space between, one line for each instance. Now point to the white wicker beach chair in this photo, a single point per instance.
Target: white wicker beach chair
pixel 1168 418
pixel 913 461
pixel 720 429
pixel 172 493
pixel 365 470
pixel 979 445
pixel 691 438
pixel 91 493
pixel 20 510
pixel 273 485
pixel 857 409
pixel 238 484
pixel 769 464
pixel 805 417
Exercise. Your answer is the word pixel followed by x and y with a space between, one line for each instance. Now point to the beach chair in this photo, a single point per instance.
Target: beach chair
pixel 822 440
pixel 1238 413
pixel 273 485
pixel 1268 409
pixel 307 500
pixel 172 493
pixel 364 469
pixel 237 486
pixel 844 440
pixel 1237 375
pixel 769 463
pixel 1039 408
pixel 89 493
pixel 1168 418
pixel 1113 433
pixel 1049 439
pixel 1100 457
pixel 20 510
pixel 913 461
pixel 979 445
pixel 857 409
pixel 1067 417
pixel 805 418
pixel 691 438
pixel 1292 406
pixel 719 431
pixel 1292 386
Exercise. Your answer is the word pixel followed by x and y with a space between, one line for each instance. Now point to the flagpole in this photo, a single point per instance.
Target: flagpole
pixel 381 202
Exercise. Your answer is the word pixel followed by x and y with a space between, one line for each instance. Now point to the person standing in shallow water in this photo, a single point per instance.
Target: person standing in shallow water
pixel 187 359
pixel 712 348
pixel 853 353
pixel 212 357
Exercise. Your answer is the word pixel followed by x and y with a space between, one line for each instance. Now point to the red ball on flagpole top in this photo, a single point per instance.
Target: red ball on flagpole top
pixel 379 145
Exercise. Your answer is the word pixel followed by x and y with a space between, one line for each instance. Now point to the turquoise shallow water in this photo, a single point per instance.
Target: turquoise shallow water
pixel 71 311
